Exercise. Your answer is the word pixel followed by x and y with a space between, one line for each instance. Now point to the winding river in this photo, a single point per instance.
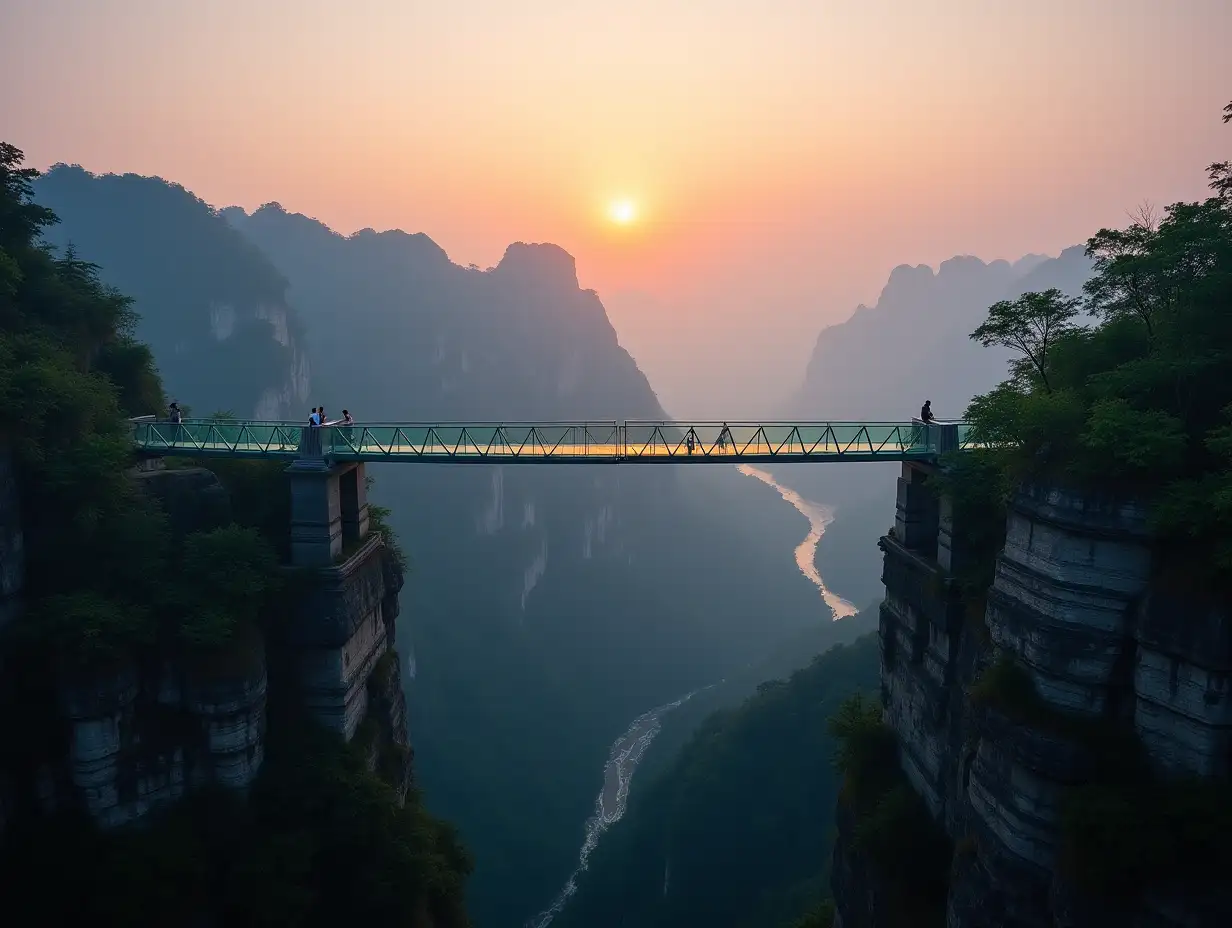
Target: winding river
pixel 627 751
pixel 819 516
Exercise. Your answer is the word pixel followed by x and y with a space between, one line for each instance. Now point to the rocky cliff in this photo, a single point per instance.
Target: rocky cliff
pixel 143 729
pixel 1065 730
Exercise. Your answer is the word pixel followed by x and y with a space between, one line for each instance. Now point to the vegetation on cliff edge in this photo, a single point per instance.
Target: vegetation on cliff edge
pixel 1139 403
pixel 1137 406
pixel 111 582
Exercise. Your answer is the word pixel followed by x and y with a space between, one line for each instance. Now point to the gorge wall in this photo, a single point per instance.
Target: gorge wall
pixel 1050 724
pixel 143 729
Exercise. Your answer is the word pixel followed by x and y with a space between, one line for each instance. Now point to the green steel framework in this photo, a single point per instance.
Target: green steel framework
pixel 613 442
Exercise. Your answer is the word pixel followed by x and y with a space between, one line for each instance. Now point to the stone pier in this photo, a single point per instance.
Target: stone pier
pixel 340 631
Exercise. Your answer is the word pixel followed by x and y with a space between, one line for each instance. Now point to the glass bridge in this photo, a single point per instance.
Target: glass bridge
pixel 614 442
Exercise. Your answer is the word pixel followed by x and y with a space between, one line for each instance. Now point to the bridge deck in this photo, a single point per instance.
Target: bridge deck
pixel 580 442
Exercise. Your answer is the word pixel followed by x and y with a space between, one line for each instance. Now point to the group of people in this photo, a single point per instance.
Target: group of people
pixel 691 440
pixel 318 418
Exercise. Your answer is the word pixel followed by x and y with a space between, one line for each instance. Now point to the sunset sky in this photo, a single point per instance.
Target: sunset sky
pixel 779 156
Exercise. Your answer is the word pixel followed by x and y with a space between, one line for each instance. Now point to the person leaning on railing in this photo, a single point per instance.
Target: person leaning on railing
pixel 176 418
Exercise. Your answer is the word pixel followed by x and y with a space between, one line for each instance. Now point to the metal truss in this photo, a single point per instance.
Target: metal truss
pixel 629 441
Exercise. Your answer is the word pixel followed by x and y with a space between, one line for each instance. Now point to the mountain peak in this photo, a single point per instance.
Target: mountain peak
pixel 544 263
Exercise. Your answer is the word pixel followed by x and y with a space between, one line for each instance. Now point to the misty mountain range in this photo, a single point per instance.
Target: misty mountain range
pixel 547 606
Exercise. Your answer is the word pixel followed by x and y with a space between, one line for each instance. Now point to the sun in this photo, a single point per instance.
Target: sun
pixel 622 211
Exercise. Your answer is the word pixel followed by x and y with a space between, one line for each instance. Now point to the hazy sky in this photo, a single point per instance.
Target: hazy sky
pixel 783 155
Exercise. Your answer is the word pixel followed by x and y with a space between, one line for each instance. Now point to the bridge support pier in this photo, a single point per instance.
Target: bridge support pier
pixel 340 631
pixel 917 517
pixel 329 510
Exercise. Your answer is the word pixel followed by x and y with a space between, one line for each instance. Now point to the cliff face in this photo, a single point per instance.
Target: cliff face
pixel 210 306
pixel 1077 667
pixel 140 734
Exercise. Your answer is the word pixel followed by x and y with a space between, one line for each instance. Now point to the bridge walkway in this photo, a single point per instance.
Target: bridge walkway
pixel 607 442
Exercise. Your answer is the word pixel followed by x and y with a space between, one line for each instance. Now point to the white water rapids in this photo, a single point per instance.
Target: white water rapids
pixel 629 748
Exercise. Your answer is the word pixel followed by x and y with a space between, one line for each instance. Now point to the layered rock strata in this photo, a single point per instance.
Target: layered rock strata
pixel 1073 609
pixel 140 734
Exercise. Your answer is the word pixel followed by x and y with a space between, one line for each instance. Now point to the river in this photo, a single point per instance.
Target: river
pixel 626 754
pixel 627 751
pixel 819 516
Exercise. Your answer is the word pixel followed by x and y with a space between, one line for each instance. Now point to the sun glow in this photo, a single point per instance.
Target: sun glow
pixel 622 211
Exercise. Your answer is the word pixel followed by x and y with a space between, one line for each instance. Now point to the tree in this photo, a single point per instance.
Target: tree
pixel 1129 278
pixel 1030 324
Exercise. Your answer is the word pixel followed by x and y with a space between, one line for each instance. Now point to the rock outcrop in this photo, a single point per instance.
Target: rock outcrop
pixel 1002 713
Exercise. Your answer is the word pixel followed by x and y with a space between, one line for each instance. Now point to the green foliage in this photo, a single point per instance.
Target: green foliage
pixel 1133 442
pixel 1031 324
pixel 69 373
pixel 1135 405
pixel 378 521
pixel 89 628
pixel 226 579
pixel 866 749
pixel 322 840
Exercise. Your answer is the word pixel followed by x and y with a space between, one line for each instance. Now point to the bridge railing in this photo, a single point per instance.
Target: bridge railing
pixel 215 436
pixel 556 440
pixel 745 439
pixel 596 440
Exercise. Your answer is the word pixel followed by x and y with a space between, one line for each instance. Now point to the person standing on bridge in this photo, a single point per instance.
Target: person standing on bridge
pixel 724 434
pixel 314 421
pixel 690 440
pixel 926 412
pixel 347 423
pixel 177 419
